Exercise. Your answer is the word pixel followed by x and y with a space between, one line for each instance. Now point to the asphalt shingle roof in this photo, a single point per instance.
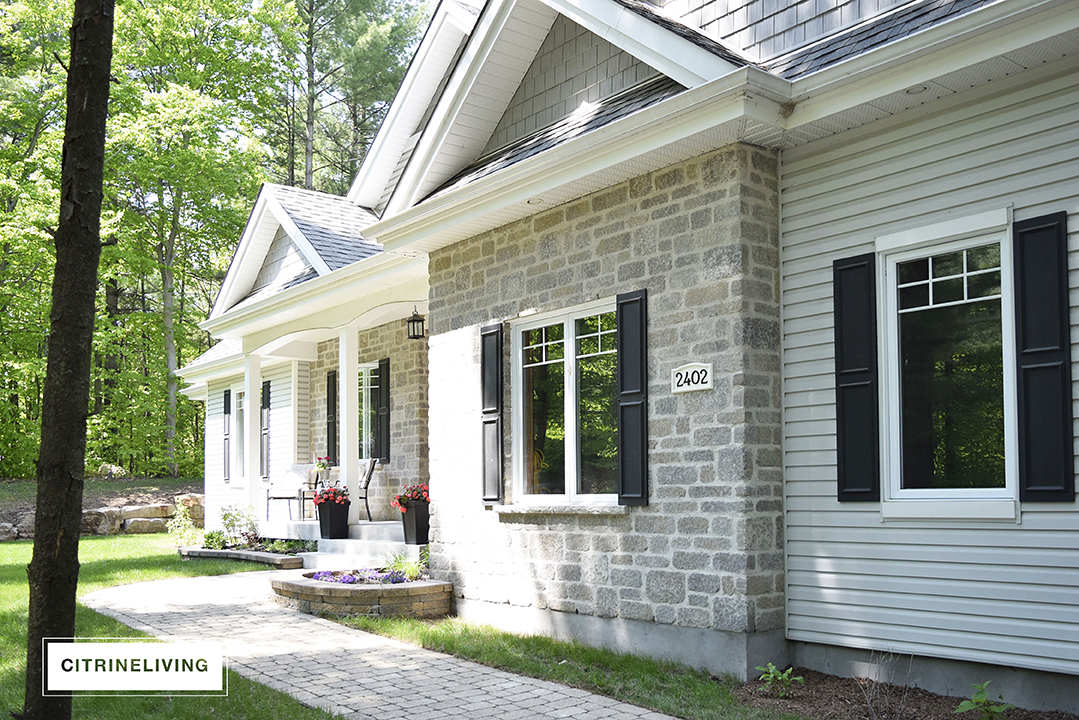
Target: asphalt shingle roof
pixel 587 118
pixel 223 349
pixel 330 223
pixel 907 20
pixel 653 14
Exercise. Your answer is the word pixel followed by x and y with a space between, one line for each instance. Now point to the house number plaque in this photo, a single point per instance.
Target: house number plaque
pixel 691 377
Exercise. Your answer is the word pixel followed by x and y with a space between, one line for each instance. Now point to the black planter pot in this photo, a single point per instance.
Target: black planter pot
pixel 333 520
pixel 417 522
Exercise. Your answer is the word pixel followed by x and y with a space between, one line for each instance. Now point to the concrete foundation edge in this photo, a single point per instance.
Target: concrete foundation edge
pixel 718 652
pixel 1030 689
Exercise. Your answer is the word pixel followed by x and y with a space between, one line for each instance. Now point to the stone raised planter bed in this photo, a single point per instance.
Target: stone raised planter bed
pixel 420 599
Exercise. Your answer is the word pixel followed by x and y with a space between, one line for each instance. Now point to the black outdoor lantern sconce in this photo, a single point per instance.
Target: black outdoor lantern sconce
pixel 415 325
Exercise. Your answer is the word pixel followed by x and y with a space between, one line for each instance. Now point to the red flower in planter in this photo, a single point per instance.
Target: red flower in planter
pixel 412 493
pixel 338 495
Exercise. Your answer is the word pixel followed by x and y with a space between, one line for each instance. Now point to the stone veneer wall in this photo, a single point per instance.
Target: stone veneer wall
pixel 408 410
pixel 707 552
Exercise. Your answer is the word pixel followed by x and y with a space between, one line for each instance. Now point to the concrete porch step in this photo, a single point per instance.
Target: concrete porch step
pixel 369 544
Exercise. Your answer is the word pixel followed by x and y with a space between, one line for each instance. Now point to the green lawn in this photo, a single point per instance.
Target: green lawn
pixel 117 560
pixel 665 687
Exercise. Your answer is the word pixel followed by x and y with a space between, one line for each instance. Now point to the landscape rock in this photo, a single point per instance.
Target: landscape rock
pixel 102 521
pixel 8 532
pixel 25 526
pixel 140 525
pixel 195 505
pixel 148 511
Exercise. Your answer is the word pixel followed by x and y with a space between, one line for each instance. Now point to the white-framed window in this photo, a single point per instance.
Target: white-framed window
pixel 948 371
pixel 565 400
pixel 368 420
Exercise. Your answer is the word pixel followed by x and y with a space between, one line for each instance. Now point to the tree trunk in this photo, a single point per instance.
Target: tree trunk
pixel 167 259
pixel 54 570
pixel 312 97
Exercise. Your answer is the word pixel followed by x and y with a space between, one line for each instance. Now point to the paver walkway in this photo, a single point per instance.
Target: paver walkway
pixel 348 672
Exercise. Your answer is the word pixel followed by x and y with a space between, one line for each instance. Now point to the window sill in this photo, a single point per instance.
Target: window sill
pixel 561 509
pixel 971 510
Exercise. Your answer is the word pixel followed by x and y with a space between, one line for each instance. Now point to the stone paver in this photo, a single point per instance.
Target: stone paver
pixel 323 664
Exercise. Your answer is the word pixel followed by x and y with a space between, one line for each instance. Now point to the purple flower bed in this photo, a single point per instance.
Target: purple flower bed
pixel 367 576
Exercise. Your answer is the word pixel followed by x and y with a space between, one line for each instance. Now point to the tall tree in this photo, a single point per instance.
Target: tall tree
pixel 197 76
pixel 54 569
pixel 352 56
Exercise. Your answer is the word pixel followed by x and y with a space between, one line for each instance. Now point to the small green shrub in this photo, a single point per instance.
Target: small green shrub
pixel 240 525
pixel 778 681
pixel 411 569
pixel 215 540
pixel 987 709
pixel 181 529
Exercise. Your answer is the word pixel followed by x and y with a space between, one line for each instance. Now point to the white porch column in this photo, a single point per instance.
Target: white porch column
pixel 348 415
pixel 256 498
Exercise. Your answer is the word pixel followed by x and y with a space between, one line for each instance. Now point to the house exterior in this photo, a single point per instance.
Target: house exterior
pixel 749 329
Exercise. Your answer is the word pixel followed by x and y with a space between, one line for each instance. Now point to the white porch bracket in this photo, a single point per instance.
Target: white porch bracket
pixel 348 453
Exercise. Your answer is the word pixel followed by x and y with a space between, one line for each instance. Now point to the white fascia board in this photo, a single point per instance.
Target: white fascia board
pixel 296 236
pixel 196 392
pixel 746 92
pixel 309 298
pixel 228 365
pixel 978 36
pixel 238 265
pixel 454 97
pixel 671 54
pixel 449 25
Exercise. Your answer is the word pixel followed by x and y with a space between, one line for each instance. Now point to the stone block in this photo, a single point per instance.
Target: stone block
pixel 148 511
pixel 8 532
pixel 195 503
pixel 141 525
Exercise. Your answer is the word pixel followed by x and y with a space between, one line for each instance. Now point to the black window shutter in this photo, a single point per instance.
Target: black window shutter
pixel 856 400
pixel 264 454
pixel 382 431
pixel 331 416
pixel 632 322
pixel 228 429
pixel 1046 471
pixel 491 410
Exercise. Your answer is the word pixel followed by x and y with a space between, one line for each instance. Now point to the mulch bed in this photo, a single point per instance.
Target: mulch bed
pixel 827 697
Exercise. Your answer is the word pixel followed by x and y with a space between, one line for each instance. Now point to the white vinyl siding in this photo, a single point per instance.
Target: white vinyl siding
pixel 283 430
pixel 301 380
pixel 218 493
pixel 989 592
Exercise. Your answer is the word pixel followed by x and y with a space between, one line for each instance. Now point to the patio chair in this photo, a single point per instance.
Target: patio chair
pixel 293 486
pixel 367 471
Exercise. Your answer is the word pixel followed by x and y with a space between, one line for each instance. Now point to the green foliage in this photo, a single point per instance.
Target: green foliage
pixel 778 681
pixel 214 539
pixel 986 708
pixel 240 525
pixel 411 569
pixel 202 111
pixel 181 529
pixel 292 546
